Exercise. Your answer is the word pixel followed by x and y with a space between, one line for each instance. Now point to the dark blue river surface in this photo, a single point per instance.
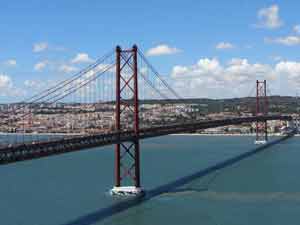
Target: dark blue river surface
pixel 72 189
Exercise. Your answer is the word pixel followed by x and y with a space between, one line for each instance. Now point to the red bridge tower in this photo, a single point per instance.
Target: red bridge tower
pixel 127 159
pixel 261 110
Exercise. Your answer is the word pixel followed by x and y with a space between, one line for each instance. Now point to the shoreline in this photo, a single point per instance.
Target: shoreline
pixel 179 134
pixel 234 135
pixel 41 134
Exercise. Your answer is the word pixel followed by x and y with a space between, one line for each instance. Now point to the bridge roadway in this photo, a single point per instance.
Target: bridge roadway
pixel 28 151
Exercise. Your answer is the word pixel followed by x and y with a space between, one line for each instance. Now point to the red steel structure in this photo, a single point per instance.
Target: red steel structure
pixel 261 110
pixel 127 159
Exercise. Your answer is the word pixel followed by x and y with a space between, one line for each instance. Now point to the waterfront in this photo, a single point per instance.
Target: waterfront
pixel 263 189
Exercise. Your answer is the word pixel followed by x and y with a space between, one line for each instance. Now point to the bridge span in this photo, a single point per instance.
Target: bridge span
pixel 39 149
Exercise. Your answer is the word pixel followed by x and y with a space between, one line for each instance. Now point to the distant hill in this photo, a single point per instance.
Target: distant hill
pixel 278 104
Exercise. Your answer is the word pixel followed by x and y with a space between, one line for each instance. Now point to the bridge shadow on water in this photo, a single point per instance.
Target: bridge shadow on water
pixel 121 206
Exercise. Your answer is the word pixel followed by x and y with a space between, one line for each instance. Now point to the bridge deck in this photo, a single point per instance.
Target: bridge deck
pixel 21 152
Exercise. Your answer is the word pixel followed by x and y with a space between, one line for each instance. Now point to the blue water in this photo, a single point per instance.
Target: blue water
pixel 72 189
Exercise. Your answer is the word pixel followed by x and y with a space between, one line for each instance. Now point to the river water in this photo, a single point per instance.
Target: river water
pixel 72 189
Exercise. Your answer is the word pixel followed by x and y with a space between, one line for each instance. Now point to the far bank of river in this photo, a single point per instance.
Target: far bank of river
pixel 222 134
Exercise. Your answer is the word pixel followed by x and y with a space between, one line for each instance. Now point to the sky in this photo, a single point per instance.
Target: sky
pixel 214 49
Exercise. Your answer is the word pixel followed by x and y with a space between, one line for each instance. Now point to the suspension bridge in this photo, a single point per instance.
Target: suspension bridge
pixel 108 103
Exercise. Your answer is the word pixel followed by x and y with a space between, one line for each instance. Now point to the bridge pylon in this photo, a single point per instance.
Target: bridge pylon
pixel 261 110
pixel 127 157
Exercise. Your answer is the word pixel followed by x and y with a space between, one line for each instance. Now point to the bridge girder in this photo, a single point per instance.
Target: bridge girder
pixel 29 151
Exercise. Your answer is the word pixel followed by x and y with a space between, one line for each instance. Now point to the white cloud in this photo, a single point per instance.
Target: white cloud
pixel 162 50
pixel 288 40
pixel 269 17
pixel 237 61
pixel 289 67
pixel 213 79
pixel 242 71
pixel 7 88
pixel 290 71
pixel 5 81
pixel 296 29
pixel 39 47
pixel 67 68
pixel 209 78
pixel 40 65
pixel 10 62
pixel 82 58
pixel 224 45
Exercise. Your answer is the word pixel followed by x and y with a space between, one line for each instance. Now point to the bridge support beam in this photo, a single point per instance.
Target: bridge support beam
pixel 127 155
pixel 261 110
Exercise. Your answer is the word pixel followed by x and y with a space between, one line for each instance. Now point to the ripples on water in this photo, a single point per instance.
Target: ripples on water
pixel 72 188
